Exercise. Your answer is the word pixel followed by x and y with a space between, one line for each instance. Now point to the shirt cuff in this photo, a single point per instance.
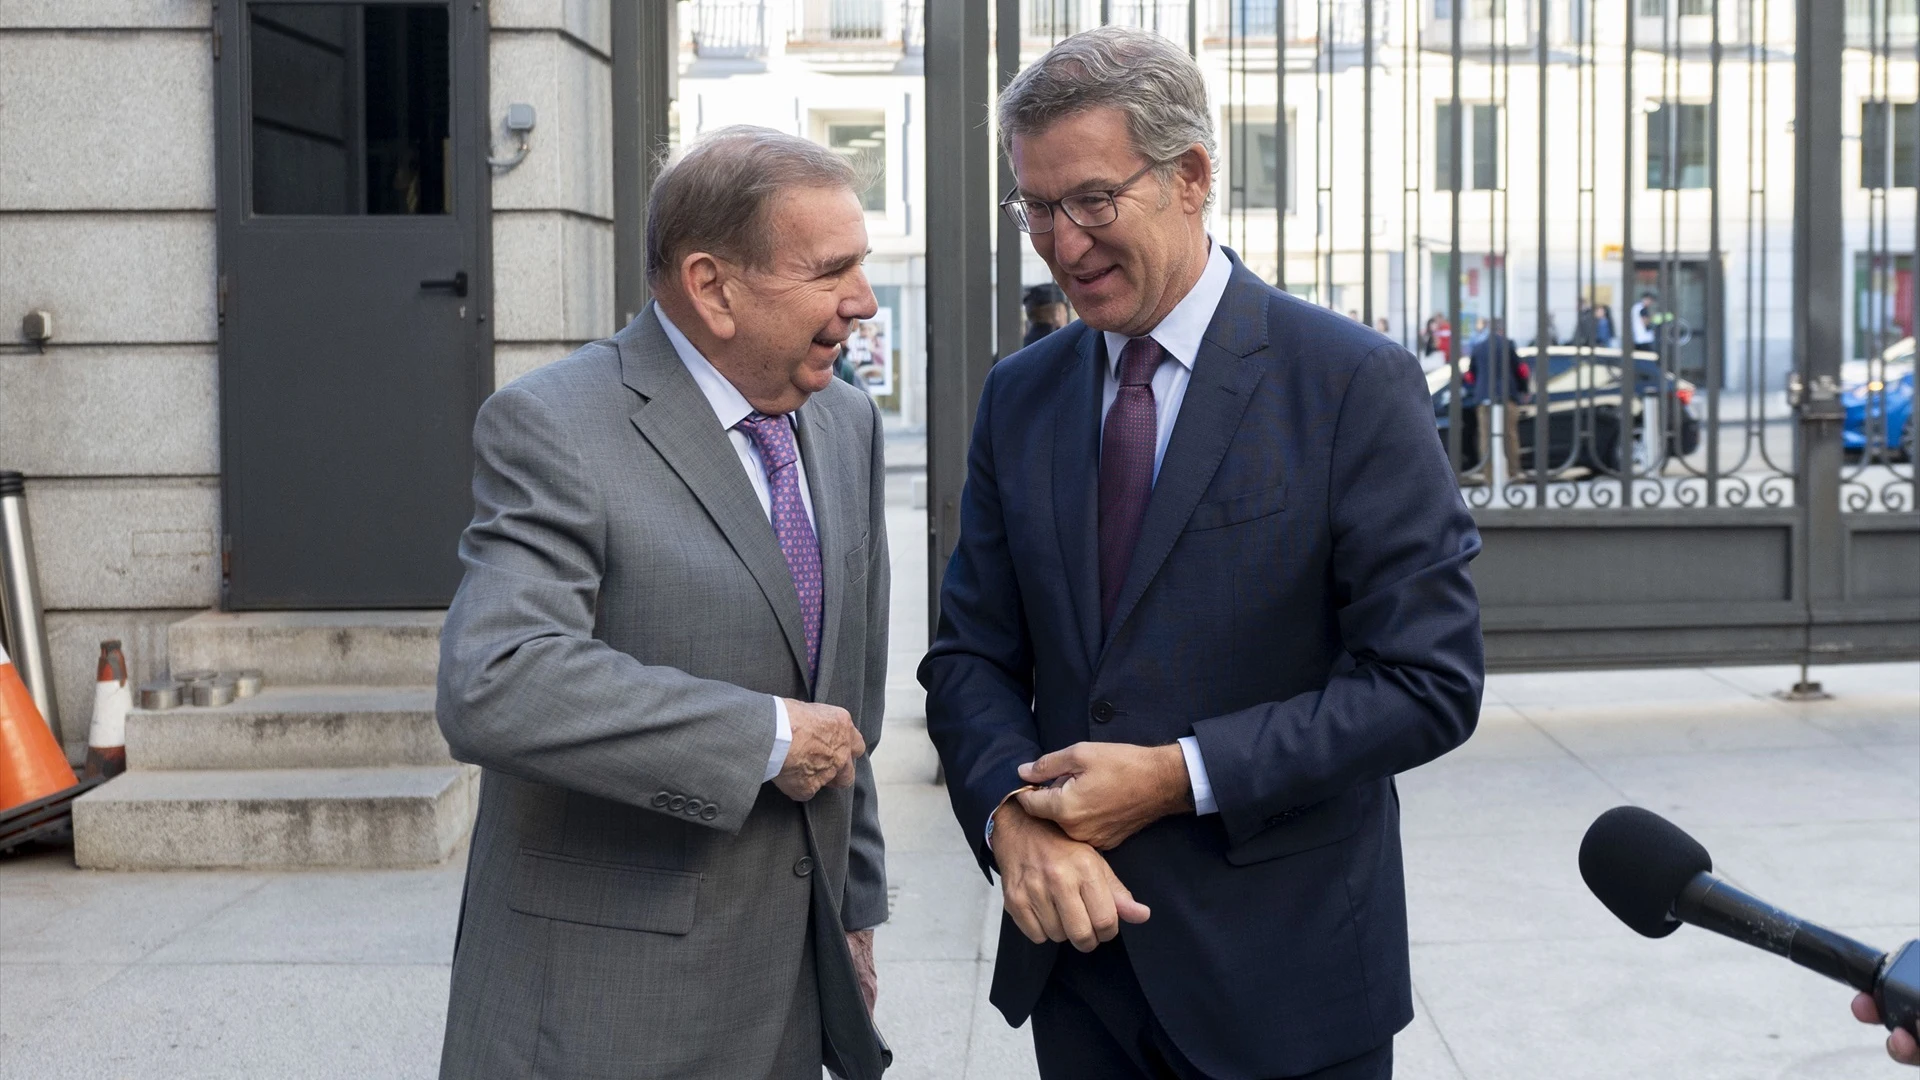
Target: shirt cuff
pixel 782 740
pixel 1203 802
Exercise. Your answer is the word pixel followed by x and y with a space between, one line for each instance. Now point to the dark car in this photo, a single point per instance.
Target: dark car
pixel 1583 408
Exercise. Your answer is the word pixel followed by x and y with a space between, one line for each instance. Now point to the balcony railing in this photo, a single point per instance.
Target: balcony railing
pixel 846 22
pixel 730 29
pixel 1484 24
pixel 1343 22
pixel 1874 23
pixel 913 27
pixel 1051 20
pixel 1165 17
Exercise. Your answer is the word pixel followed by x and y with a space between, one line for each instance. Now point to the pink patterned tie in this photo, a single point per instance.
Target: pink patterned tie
pixel 773 437
pixel 1126 468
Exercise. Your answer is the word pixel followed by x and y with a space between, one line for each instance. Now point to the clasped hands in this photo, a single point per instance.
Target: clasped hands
pixel 1048 837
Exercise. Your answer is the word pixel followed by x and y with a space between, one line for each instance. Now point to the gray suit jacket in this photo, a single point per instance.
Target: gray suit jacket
pixel 637 900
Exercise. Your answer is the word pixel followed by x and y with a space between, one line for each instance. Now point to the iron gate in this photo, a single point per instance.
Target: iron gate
pixel 1668 324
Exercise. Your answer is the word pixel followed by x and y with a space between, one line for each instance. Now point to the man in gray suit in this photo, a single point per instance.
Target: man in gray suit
pixel 669 656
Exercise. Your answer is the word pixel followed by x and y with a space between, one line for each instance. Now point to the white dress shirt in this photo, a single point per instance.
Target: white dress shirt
pixel 1179 337
pixel 730 407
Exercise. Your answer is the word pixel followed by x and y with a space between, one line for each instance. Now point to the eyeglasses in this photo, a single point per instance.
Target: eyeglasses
pixel 1087 209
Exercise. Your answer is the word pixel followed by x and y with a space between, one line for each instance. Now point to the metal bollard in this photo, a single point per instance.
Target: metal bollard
pixel 20 614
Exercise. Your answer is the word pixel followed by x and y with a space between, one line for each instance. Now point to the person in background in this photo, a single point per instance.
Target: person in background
pixel 1481 328
pixel 1643 317
pixel 1498 372
pixel 843 368
pixel 1436 343
pixel 1382 325
pixel 1603 328
pixel 1046 308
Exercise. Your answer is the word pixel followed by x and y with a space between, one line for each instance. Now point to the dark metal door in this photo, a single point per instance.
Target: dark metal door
pixel 354 296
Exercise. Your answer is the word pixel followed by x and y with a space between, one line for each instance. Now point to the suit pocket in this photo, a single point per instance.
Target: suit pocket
pixel 1219 513
pixel 857 561
pixel 614 895
pixel 1303 829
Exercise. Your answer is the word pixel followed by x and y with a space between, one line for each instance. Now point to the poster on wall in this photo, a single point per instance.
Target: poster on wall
pixel 870 350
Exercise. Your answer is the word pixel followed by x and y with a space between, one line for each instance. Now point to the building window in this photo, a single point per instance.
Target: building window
pixel 1481 141
pixel 1253 164
pixel 1484 10
pixel 864 144
pixel 1677 147
pixel 1882 123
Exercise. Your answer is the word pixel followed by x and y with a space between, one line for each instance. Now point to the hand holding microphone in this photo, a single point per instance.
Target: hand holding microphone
pixel 1653 877
pixel 1901 1045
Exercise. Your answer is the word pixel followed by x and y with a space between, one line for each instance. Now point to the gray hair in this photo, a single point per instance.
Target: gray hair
pixel 717 196
pixel 1150 80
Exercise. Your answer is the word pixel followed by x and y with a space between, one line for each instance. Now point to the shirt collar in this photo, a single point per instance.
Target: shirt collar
pixel 729 405
pixel 1180 332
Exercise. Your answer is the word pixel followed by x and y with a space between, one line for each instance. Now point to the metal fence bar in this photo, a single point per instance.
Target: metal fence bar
pixel 1629 360
pixel 1008 240
pixel 643 50
pixel 1457 337
pixel 959 281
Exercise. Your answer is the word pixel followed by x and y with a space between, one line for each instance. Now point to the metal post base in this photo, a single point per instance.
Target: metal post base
pixel 1803 691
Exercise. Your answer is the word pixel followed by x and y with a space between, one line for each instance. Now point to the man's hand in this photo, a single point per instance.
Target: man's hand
pixel 1901 1045
pixel 860 943
pixel 1102 793
pixel 825 742
pixel 1057 888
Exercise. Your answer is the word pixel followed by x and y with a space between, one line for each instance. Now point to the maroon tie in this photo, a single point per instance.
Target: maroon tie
pixel 1126 468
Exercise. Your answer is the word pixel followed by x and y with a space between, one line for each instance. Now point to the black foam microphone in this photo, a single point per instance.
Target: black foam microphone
pixel 1653 876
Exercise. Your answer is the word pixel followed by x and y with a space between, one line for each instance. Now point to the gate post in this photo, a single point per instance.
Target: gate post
pixel 646 47
pixel 959 263
pixel 1819 246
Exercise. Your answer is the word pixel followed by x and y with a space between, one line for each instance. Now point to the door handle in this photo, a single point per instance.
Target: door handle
pixel 457 284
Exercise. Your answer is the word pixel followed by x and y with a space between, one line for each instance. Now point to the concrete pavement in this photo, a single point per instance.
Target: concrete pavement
pixel 1519 973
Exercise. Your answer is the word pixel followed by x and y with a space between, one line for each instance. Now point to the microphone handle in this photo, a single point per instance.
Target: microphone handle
pixel 1712 904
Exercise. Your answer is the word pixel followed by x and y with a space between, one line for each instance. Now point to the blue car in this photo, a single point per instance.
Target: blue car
pixel 1878 398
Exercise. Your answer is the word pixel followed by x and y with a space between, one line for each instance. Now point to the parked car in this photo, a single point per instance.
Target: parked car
pixel 1583 408
pixel 1878 399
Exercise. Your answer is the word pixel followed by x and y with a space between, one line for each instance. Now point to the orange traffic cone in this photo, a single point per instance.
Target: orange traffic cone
pixel 112 699
pixel 37 788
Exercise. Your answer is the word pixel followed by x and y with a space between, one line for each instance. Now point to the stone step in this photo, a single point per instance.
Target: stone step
pixel 301 648
pixel 293 727
pixel 181 819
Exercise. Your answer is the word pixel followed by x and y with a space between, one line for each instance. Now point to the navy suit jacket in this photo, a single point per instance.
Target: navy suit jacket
pixel 1298 600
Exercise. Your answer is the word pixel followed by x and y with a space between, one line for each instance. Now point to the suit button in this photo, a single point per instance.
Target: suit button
pixel 1102 711
pixel 693 807
pixel 803 867
pixel 660 798
pixel 709 812
pixel 676 802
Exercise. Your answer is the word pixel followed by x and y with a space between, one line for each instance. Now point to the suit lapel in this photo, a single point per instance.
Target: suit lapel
pixel 1217 395
pixel 1076 482
pixel 824 486
pixel 679 422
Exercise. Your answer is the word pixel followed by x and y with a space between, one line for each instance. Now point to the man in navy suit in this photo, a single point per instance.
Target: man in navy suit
pixel 1210 595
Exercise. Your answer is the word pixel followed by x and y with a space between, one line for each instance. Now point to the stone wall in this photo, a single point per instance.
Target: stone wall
pixel 553 214
pixel 106 221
